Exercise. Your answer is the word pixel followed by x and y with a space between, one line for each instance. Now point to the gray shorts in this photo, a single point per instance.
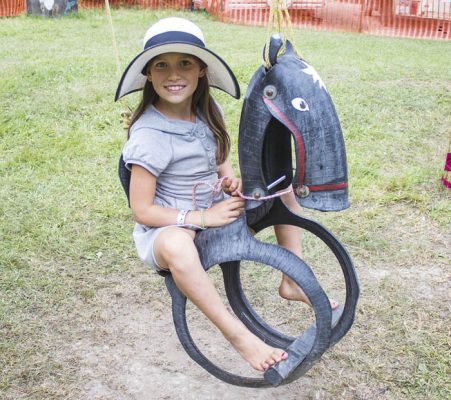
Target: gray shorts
pixel 145 237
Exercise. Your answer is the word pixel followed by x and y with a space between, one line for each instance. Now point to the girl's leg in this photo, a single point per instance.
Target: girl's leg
pixel 290 237
pixel 174 249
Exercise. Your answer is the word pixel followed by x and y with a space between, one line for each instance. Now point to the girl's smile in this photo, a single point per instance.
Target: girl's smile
pixel 174 88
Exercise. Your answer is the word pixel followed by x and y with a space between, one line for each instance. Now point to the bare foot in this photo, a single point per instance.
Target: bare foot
pixel 289 290
pixel 257 353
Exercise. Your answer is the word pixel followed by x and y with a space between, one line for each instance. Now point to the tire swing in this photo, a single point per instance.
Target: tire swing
pixel 282 100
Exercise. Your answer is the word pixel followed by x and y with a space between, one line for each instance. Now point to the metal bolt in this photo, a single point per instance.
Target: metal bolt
pixel 257 193
pixel 302 191
pixel 270 92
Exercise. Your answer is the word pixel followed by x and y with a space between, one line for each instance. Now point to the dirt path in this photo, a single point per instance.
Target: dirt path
pixel 120 343
pixel 126 346
pixel 130 351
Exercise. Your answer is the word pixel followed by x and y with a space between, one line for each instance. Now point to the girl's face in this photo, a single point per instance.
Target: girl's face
pixel 174 77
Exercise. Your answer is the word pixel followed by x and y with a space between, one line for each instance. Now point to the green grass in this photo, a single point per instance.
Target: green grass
pixel 65 227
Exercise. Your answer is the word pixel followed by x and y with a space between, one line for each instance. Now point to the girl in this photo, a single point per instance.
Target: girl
pixel 177 139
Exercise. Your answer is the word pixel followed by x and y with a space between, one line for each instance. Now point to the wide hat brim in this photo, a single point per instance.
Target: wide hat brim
pixel 219 74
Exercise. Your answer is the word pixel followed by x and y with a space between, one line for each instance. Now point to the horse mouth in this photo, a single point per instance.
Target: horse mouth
pixel 279 168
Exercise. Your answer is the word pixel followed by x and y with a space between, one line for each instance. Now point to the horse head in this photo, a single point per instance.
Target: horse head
pixel 284 104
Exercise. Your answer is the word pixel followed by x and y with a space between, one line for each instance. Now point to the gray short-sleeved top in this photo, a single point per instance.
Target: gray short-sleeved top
pixel 179 153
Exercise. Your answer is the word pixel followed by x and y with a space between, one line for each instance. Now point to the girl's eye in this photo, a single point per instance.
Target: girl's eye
pixel 185 63
pixel 160 65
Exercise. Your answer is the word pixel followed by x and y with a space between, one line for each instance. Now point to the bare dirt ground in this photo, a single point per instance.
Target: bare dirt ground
pixel 108 333
pixel 131 351
pixel 126 346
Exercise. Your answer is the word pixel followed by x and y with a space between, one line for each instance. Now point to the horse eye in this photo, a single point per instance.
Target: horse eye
pixel 300 104
pixel 270 92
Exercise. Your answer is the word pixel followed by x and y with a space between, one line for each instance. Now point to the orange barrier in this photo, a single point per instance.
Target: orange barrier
pixel 174 4
pixel 10 8
pixel 406 18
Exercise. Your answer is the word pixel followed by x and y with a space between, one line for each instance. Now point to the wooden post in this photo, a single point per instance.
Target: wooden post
pixel 51 8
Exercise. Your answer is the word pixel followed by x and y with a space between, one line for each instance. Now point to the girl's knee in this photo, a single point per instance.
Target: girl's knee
pixel 173 244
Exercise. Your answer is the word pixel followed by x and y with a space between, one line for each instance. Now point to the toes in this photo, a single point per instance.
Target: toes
pixel 282 356
pixel 275 358
pixel 279 356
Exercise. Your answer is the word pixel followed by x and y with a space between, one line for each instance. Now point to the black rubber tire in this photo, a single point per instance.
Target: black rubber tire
pixel 280 214
pixel 235 242
pixel 342 318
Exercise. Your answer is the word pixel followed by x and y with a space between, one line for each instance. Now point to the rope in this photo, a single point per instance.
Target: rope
pixel 113 37
pixel 127 111
pixel 217 187
pixel 215 190
pixel 264 198
pixel 279 18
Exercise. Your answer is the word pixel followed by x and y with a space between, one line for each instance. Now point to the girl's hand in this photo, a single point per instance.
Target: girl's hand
pixel 224 213
pixel 231 186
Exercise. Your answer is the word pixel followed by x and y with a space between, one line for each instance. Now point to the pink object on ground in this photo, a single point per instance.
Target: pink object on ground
pixel 446 178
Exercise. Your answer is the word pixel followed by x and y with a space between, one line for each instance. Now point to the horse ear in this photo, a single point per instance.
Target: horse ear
pixel 275 43
pixel 289 49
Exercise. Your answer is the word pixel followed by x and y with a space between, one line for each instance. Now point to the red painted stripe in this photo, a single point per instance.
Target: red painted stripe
pixel 300 154
pixel 332 186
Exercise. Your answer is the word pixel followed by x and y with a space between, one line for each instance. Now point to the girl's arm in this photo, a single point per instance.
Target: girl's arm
pixel 232 184
pixel 142 195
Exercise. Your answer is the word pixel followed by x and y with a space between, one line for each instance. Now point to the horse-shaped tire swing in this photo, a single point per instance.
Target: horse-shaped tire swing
pixel 283 101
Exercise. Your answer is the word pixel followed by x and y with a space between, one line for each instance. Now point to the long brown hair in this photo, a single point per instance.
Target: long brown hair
pixel 203 101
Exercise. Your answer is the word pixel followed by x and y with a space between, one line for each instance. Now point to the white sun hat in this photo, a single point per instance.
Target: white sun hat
pixel 176 35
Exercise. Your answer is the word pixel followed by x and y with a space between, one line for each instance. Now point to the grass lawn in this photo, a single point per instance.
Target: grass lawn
pixel 66 252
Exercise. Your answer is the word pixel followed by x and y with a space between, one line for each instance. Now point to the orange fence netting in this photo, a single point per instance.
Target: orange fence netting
pixel 175 4
pixel 11 8
pixel 406 18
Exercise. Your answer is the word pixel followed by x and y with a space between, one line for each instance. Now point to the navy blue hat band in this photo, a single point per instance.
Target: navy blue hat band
pixel 173 36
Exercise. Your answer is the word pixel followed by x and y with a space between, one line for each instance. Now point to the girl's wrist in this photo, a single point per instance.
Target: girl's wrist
pixel 181 217
pixel 203 224
pixel 196 218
